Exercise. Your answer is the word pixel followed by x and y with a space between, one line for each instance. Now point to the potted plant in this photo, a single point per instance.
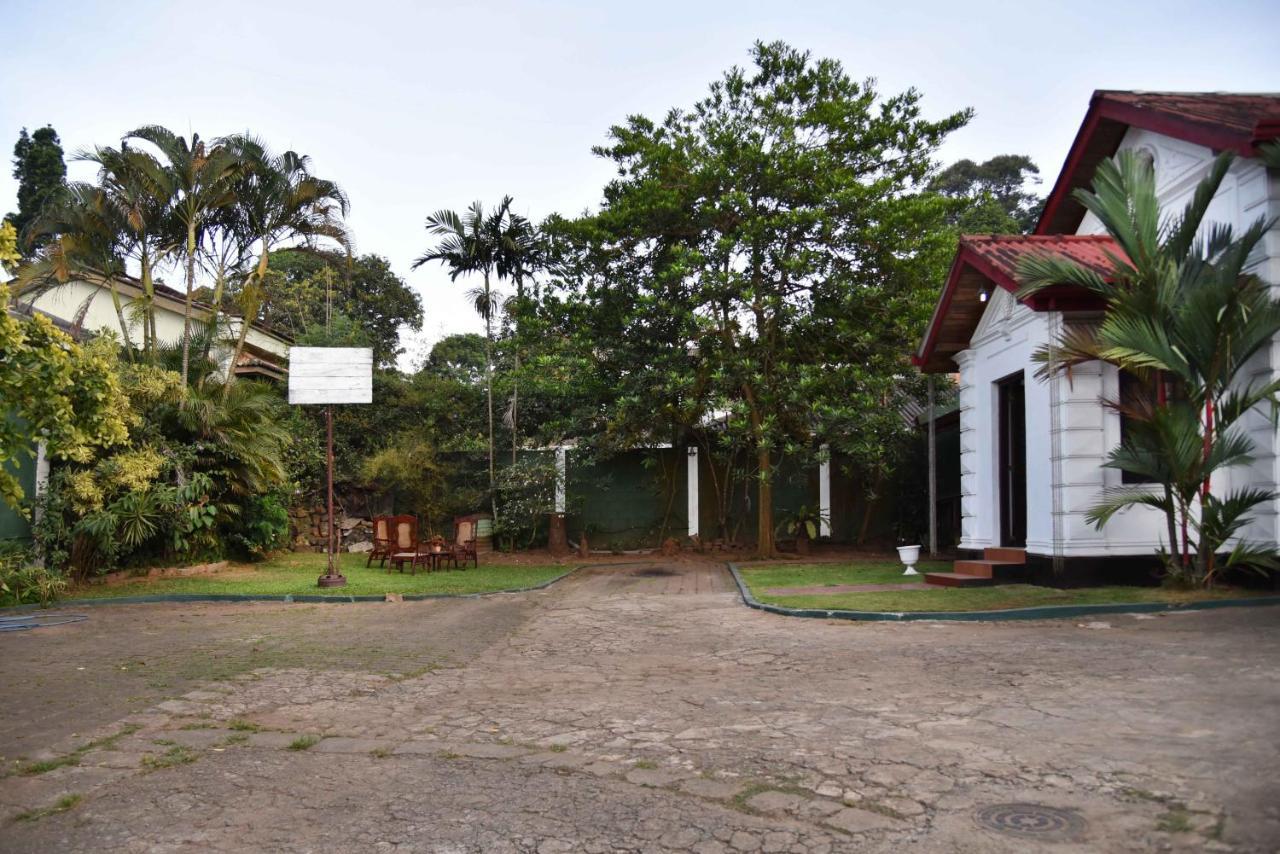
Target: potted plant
pixel 908 553
pixel 804 524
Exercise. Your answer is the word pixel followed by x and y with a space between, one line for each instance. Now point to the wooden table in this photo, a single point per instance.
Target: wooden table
pixel 432 558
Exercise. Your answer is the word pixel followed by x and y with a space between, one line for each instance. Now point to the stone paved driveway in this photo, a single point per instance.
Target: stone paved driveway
pixel 645 709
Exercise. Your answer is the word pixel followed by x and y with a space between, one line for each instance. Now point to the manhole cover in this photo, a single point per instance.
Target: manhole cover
pixel 1031 821
pixel 656 572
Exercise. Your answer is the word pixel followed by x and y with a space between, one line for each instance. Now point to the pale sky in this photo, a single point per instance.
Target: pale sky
pixel 412 107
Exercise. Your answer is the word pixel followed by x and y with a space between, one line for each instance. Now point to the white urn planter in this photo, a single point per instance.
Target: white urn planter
pixel 909 555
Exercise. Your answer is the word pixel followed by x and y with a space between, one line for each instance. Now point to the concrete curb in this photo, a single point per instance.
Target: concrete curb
pixel 1044 612
pixel 305 598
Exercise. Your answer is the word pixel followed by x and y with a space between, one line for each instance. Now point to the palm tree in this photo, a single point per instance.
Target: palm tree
pixel 517 256
pixel 467 245
pixel 134 193
pixel 225 251
pixel 81 236
pixel 200 177
pixel 1185 314
pixel 280 203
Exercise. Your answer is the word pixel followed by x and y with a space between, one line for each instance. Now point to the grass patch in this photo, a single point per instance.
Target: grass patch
pixel 236 738
pixel 304 742
pixel 1175 821
pixel 646 764
pixel 175 755
pixel 240 725
pixel 295 574
pixel 558 748
pixel 762 577
pixel 380 752
pixel 73 758
pixel 1000 597
pixel 44 767
pixel 62 804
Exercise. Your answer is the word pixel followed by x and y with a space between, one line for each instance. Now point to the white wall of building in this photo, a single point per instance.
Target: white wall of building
pixel 1247 193
pixel 1069 430
pixel 65 301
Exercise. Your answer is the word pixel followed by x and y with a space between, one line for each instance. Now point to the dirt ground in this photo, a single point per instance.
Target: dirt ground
pixel 636 708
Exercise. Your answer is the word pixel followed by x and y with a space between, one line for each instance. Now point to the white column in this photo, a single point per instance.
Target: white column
pixel 561 466
pixel 693 490
pixel 824 492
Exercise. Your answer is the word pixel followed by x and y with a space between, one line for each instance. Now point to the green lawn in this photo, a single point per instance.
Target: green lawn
pixel 759 579
pixel 297 573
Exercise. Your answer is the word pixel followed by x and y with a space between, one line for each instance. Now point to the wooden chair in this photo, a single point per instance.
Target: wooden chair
pixel 404 541
pixel 464 544
pixel 381 541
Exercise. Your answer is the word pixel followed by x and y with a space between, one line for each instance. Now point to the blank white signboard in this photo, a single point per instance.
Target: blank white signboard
pixel 330 375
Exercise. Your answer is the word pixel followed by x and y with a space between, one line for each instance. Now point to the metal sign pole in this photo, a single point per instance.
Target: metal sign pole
pixel 333 578
pixel 329 375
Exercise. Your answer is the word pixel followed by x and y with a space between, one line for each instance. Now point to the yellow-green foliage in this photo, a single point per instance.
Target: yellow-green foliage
pixel 58 390
pixel 129 470
pixel 149 384
pixel 83 491
pixel 8 243
pixel 133 469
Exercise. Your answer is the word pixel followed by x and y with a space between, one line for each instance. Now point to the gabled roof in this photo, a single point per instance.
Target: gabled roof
pixel 985 261
pixel 1222 121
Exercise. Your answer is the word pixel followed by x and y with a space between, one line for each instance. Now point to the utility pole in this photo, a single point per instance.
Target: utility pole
pixel 933 476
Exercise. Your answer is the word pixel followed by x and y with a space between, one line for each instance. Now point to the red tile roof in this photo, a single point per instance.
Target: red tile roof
pixel 1254 117
pixel 1221 121
pixel 1003 252
pixel 986 260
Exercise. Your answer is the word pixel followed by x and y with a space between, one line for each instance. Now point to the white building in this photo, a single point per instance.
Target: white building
pixel 1032 450
pixel 88 306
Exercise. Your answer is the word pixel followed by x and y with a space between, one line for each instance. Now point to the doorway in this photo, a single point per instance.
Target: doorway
pixel 1013 461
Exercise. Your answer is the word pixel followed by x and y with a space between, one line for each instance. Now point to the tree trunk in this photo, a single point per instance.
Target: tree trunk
pixel 124 325
pixel 186 310
pixel 765 547
pixel 149 315
pixel 488 384
pixel 515 403
pixel 245 320
pixel 1204 557
pixel 212 328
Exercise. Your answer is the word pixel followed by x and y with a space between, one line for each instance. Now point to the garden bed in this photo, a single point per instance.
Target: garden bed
pixel 892 592
pixel 295 574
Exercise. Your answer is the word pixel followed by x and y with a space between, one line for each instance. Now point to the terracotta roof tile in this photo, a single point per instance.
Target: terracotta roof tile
pixel 1005 251
pixel 1256 114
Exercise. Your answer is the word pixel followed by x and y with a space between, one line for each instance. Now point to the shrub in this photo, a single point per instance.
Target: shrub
pixel 262 527
pixel 23 581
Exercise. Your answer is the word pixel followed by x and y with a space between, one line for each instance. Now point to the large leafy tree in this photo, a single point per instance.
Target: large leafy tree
pixel 1186 315
pixel 458 357
pixel 995 194
pixel 41 174
pixel 364 289
pixel 767 255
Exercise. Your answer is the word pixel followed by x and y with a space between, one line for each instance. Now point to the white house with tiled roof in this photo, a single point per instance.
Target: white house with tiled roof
pixel 1032 450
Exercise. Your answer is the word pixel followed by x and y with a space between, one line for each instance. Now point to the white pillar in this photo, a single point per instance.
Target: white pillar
pixel 561 466
pixel 693 490
pixel 824 492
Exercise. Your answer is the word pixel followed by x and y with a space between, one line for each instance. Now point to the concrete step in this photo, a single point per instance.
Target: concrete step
pixel 957 579
pixel 994 569
pixel 1006 555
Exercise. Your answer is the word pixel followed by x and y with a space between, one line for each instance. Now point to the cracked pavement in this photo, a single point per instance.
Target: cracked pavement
pixel 634 709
